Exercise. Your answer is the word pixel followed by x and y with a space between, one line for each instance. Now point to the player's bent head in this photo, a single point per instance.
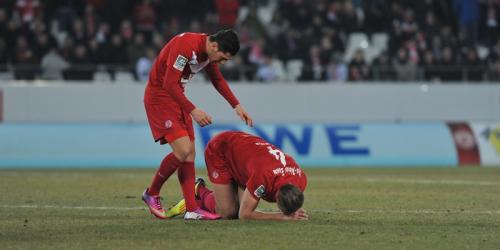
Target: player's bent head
pixel 227 40
pixel 290 199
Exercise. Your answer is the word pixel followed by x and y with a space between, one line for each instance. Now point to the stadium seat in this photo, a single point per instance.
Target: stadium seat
pixel 102 77
pixel 7 75
pixel 380 41
pixel 280 69
pixel 124 76
pixel 294 69
pixel 482 52
pixel 371 53
pixel 355 41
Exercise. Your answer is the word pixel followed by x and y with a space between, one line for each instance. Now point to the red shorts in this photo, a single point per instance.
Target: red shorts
pixel 168 121
pixel 217 167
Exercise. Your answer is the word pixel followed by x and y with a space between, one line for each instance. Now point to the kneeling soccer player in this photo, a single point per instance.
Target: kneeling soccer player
pixel 244 169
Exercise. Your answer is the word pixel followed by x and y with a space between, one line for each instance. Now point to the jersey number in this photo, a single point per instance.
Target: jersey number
pixel 278 155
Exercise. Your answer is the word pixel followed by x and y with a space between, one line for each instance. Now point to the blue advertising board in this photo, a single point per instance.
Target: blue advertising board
pixel 311 144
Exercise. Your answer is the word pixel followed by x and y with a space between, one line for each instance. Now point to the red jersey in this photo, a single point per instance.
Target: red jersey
pixel 252 163
pixel 181 58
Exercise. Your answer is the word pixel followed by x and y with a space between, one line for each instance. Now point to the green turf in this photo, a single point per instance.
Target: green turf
pixel 349 209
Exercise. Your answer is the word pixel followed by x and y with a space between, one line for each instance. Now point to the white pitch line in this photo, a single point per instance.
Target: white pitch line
pixel 423 211
pixel 311 178
pixel 335 211
pixel 404 181
pixel 71 207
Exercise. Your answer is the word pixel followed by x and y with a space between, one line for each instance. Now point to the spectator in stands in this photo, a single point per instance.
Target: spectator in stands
pixel 382 69
pixel 135 50
pixel 349 20
pixel 253 24
pixel 277 26
pixel 90 20
pixel 27 63
pixel 266 71
pixel 336 69
pixel 143 66
pixel 376 18
pixel 468 18
pixel 43 44
pixel 228 12
pixel 358 68
pixel 232 69
pixel 494 55
pixel 53 65
pixel 126 31
pixel 313 69
pixel 4 19
pixel 68 48
pixel 78 32
pixel 448 67
pixel 295 27
pixel 81 68
pixel 145 18
pixel 494 72
pixel 473 65
pixel 431 27
pixel 3 56
pixel 429 66
pixel 27 10
pixel 490 26
pixel 116 56
pixel 405 69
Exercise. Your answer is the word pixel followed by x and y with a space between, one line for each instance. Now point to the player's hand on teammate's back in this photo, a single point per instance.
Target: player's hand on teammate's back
pixel 201 117
pixel 244 116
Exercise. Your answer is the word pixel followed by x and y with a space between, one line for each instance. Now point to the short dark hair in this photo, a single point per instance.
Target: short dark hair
pixel 227 40
pixel 290 199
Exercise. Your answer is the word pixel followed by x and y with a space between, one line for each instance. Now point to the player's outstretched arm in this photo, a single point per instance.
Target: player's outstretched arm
pixel 247 211
pixel 244 116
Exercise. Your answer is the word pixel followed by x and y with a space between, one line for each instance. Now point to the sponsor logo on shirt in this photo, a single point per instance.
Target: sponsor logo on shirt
pixel 180 62
pixel 259 192
pixel 215 175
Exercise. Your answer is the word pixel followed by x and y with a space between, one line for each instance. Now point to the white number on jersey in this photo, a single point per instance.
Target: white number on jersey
pixel 278 155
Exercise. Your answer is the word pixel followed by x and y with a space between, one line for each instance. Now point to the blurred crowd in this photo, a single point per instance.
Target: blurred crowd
pixel 292 40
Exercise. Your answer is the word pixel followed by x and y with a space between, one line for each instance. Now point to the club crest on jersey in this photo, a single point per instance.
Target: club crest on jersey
pixel 180 62
pixel 168 124
pixel 215 175
pixel 259 192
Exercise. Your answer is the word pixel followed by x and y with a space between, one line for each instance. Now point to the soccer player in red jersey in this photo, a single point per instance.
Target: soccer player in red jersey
pixel 169 112
pixel 244 169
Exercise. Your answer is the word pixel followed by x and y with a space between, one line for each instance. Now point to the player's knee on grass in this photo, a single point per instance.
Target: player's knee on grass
pixel 227 212
pixel 290 199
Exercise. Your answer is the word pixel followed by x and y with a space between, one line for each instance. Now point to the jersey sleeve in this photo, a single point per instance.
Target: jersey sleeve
pixel 221 84
pixel 176 61
pixel 259 185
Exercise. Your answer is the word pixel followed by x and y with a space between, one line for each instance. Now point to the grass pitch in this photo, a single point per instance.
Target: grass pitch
pixel 453 208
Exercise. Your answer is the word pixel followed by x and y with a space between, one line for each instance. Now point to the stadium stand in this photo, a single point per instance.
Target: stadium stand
pixel 435 40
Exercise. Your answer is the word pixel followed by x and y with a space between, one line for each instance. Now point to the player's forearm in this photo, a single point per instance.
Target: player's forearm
pixel 221 85
pixel 225 91
pixel 175 91
pixel 257 215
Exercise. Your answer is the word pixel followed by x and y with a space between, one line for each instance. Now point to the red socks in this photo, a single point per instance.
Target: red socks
pixel 207 199
pixel 186 177
pixel 167 167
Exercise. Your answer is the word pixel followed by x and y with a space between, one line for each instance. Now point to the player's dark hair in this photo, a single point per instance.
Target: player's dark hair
pixel 227 41
pixel 290 199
